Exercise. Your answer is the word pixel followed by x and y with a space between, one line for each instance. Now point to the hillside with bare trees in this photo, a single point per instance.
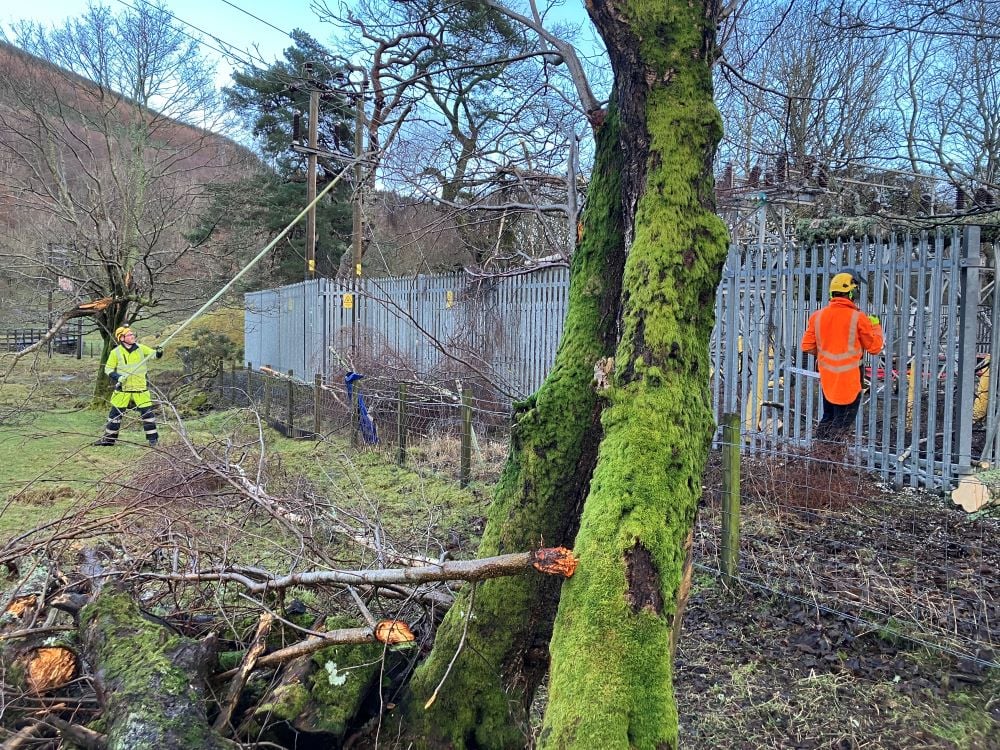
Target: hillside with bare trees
pixel 107 157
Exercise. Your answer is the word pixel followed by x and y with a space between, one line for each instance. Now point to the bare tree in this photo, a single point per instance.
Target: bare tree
pixel 946 93
pixel 483 116
pixel 794 89
pixel 103 126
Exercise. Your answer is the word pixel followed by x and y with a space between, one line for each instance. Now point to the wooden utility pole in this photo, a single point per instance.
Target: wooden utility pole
pixel 311 175
pixel 48 272
pixel 359 126
pixel 357 228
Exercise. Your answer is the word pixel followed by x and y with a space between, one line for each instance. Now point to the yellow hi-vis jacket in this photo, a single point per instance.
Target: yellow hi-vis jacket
pixel 838 335
pixel 130 364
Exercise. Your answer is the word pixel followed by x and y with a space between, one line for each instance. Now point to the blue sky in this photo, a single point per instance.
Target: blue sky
pixel 230 21
pixel 225 20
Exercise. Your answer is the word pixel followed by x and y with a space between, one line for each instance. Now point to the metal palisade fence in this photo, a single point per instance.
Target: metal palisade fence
pixel 930 408
pixel 930 411
pixel 502 330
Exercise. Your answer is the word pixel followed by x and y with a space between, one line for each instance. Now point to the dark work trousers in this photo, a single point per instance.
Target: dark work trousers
pixel 115 422
pixel 838 419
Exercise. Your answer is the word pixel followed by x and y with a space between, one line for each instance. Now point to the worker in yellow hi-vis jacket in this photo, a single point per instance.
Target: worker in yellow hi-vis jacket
pixel 126 366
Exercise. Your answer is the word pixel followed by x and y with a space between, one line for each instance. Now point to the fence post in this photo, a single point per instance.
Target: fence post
pixel 401 425
pixel 968 330
pixel 267 396
pixel 251 402
pixel 730 496
pixel 291 404
pixel 465 469
pixel 317 405
pixel 222 381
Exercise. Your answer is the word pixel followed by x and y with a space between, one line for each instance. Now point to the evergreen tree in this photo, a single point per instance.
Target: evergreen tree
pixel 269 102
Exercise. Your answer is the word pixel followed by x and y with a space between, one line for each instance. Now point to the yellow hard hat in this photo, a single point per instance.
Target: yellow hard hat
pixel 842 283
pixel 121 331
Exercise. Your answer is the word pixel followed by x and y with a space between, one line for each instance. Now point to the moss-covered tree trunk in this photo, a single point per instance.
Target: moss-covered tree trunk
pixel 611 675
pixel 484 700
pixel 150 680
pixel 107 322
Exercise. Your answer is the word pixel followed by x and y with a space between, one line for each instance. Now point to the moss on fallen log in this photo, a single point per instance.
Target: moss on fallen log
pixel 150 679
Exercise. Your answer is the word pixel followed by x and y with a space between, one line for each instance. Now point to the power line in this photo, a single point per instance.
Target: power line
pixel 266 23
pixel 227 52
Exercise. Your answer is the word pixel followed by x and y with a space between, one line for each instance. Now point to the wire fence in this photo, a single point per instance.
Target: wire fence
pixel 457 429
pixel 814 526
pixel 930 415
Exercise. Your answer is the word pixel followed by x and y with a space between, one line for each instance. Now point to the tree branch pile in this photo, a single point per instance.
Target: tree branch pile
pixel 118 638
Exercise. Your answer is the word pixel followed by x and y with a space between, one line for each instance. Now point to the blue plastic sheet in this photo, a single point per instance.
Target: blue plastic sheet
pixel 369 434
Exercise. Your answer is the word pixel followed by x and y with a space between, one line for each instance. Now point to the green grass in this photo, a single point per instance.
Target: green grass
pixel 225 320
pixel 48 464
pixel 406 501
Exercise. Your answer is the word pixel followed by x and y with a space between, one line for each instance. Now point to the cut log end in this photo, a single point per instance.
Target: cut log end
pixel 50 668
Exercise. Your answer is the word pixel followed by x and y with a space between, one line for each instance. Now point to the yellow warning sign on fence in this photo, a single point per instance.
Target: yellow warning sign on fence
pixel 348 301
pixel 449 299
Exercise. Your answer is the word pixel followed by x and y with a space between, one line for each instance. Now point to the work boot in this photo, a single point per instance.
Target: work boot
pixel 153 442
pixel 104 442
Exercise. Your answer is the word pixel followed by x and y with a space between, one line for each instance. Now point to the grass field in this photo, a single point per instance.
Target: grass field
pixel 49 465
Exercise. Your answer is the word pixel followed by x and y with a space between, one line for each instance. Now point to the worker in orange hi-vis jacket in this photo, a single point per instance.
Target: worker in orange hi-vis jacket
pixel 839 335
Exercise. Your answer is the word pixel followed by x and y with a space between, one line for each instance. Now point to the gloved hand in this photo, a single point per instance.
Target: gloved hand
pixel 159 352
pixel 874 320
pixel 118 385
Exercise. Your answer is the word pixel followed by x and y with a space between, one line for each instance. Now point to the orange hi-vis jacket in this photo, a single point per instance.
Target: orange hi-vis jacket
pixel 838 335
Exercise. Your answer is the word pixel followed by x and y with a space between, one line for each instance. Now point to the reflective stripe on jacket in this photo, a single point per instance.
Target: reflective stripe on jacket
pixel 130 366
pixel 838 335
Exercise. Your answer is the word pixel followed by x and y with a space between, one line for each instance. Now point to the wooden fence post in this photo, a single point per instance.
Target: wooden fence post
pixel 291 404
pixel 730 496
pixel 465 471
pixel 401 425
pixel 267 396
pixel 317 405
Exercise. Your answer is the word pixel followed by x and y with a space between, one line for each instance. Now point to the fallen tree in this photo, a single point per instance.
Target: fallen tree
pixel 146 683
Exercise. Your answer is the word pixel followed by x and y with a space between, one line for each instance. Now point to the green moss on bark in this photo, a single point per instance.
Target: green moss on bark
pixel 343 677
pixel 284 703
pixel 611 678
pixel 484 701
pixel 151 678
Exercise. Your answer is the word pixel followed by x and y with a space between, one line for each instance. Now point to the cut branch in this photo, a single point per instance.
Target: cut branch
pixel 257 647
pixel 452 570
pixel 343 637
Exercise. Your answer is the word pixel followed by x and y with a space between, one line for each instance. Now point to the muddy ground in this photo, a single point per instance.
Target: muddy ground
pixel 868 617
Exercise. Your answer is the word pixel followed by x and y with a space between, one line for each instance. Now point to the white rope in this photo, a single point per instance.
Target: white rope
pixel 253 262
